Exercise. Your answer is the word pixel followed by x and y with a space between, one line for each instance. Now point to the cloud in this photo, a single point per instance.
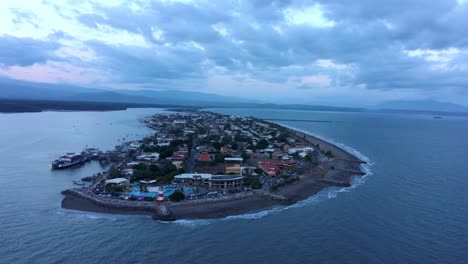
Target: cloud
pixel 312 50
pixel 25 51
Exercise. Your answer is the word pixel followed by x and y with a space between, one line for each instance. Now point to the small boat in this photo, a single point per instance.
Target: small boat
pixel 80 183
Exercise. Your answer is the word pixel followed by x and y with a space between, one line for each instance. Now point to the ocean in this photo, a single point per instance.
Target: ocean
pixel 411 207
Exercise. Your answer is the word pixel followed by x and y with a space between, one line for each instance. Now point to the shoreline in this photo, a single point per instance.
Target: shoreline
pixel 345 166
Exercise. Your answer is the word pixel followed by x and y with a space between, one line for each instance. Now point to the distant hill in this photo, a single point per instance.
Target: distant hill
pixel 423 105
pixel 20 90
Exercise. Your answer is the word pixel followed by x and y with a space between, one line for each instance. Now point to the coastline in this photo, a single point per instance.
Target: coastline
pixel 345 165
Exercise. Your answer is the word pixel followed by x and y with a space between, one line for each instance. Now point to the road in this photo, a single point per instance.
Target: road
pixel 191 159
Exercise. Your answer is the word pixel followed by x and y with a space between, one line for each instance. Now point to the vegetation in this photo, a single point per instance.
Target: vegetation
pixel 254 182
pixel 164 172
pixel 112 188
pixel 261 144
pixel 329 154
pixel 113 173
pixel 177 196
pixel 219 158
pixel 283 137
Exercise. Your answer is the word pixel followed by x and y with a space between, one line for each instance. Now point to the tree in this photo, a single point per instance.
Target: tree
pixel 245 156
pixel 261 144
pixel 219 157
pixel 217 145
pixel 254 183
pixel 227 140
pixel 239 138
pixel 154 168
pixel 177 196
pixel 329 154
pixel 234 146
pixel 140 167
pixel 113 173
pixel 111 188
pixel 283 137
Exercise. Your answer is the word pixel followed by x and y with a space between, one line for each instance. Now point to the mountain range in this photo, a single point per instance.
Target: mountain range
pixel 23 90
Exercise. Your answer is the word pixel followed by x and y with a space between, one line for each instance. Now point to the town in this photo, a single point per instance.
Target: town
pixel 202 155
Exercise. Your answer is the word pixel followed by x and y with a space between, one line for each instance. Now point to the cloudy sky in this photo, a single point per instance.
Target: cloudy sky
pixel 338 52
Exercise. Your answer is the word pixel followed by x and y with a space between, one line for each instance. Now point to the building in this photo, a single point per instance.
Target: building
pixel 269 167
pixel 226 182
pixel 193 177
pixel 298 149
pixel 213 182
pixel 234 169
pixel 118 182
pixel 204 157
pixel 229 159
pixel 151 157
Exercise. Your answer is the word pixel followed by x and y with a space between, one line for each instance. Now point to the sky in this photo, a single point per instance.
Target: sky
pixel 337 52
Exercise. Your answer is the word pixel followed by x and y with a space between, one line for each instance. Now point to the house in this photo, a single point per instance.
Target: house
pixel 118 182
pixel 178 164
pixel 300 149
pixel 151 157
pixel 269 167
pixel 130 165
pixel 204 157
pixel 134 146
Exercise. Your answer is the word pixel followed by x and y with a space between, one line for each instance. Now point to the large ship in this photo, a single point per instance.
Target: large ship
pixel 69 159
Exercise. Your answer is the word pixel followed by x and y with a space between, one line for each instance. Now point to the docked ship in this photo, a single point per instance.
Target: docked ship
pixel 69 159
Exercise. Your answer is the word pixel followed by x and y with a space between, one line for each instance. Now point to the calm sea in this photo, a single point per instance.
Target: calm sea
pixel 412 207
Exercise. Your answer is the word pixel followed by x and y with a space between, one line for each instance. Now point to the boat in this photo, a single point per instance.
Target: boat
pixel 79 183
pixel 69 159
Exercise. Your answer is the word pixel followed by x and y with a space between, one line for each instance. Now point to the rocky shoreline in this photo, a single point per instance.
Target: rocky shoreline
pixel 337 172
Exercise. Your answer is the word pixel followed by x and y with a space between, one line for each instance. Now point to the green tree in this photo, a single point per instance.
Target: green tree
pixel 219 157
pixel 261 144
pixel 245 156
pixel 177 196
pixel 113 173
pixel 283 137
pixel 217 145
pixel 329 154
pixel 140 167
pixel 154 168
pixel 254 183
pixel 227 140
pixel 234 146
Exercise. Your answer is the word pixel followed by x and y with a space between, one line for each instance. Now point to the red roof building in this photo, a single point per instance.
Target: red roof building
pixel 269 167
pixel 204 157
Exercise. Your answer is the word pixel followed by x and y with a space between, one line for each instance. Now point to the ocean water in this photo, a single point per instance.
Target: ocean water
pixel 412 207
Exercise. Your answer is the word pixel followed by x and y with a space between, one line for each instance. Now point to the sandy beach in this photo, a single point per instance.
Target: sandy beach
pixel 337 171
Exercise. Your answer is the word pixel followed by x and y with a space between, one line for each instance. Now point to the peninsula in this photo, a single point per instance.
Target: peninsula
pixel 200 165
